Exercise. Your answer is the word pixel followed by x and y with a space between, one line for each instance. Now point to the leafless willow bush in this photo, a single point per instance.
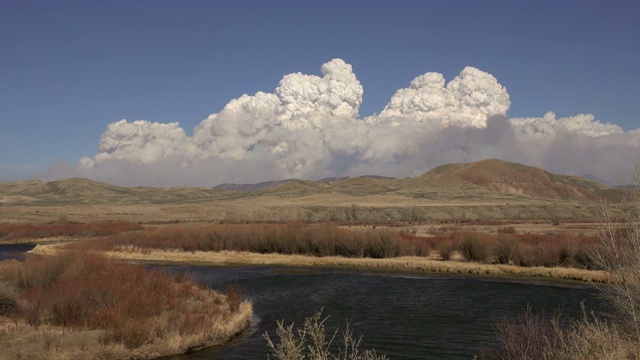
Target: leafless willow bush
pixel 84 291
pixel 326 239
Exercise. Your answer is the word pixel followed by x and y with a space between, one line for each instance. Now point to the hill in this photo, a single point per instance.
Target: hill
pixel 477 181
pixel 512 178
pixel 84 191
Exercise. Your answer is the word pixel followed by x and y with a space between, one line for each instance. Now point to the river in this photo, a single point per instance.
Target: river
pixel 415 316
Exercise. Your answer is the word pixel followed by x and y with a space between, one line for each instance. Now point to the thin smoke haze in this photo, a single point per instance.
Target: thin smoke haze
pixel 310 128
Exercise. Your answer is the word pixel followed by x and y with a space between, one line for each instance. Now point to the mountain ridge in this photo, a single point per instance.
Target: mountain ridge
pixel 481 179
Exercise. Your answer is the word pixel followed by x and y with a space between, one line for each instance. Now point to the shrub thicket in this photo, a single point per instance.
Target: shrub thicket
pixel 88 291
pixel 293 238
pixel 33 231
pixel 329 239
pixel 473 245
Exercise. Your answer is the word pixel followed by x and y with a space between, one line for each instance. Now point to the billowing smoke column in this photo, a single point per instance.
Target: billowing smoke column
pixel 309 127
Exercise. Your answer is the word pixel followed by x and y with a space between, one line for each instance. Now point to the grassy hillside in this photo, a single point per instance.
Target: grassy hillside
pixel 489 189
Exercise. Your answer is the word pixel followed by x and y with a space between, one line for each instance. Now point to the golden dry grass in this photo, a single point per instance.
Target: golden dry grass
pixel 19 340
pixel 395 264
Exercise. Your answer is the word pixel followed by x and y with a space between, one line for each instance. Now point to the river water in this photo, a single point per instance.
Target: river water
pixel 415 316
pixel 14 251
pixel 405 316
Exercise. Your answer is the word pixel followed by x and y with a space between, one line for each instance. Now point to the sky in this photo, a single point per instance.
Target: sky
pixel 247 91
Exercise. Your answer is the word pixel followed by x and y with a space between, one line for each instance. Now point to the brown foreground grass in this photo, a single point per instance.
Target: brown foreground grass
pixel 85 306
pixel 405 263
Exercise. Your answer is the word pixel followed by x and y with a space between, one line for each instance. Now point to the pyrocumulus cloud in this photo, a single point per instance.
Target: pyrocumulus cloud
pixel 310 127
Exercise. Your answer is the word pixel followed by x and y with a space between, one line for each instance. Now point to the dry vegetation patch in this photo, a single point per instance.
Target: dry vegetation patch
pixel 29 232
pixel 481 253
pixel 81 305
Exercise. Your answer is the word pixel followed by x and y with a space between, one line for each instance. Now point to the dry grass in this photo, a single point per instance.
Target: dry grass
pixel 532 336
pixel 591 338
pixel 407 263
pixel 80 305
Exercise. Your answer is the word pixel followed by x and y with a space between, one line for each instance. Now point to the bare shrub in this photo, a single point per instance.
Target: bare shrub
pixel 446 249
pixel 31 231
pixel 505 250
pixel 531 336
pixel 325 239
pixel 312 342
pixel 384 244
pixel 526 337
pixel 473 246
pixel 413 245
pixel 507 230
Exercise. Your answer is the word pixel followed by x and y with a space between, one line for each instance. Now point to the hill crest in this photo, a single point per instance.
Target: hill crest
pixel 480 180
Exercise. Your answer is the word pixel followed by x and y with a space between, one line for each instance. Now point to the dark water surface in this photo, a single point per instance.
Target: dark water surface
pixel 14 251
pixel 403 316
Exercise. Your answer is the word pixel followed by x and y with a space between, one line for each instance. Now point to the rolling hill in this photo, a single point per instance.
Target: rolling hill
pixel 477 180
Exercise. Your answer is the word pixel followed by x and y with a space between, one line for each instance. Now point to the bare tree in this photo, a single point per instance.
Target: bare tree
pixel 618 253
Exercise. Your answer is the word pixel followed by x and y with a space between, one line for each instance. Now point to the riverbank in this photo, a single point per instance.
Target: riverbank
pixel 85 306
pixel 407 263
pixel 19 340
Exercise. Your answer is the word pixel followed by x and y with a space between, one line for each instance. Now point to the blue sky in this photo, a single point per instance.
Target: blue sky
pixel 69 68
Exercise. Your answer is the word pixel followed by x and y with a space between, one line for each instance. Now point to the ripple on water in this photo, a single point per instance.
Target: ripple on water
pixel 403 316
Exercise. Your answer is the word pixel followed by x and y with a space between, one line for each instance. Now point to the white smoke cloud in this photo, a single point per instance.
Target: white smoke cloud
pixel 309 127
pixel 468 100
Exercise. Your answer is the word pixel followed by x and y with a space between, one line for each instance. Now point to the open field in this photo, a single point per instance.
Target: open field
pixel 359 209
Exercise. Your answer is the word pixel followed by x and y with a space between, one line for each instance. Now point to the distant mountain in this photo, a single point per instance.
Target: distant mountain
pixel 480 180
pixel 253 187
pixel 84 191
